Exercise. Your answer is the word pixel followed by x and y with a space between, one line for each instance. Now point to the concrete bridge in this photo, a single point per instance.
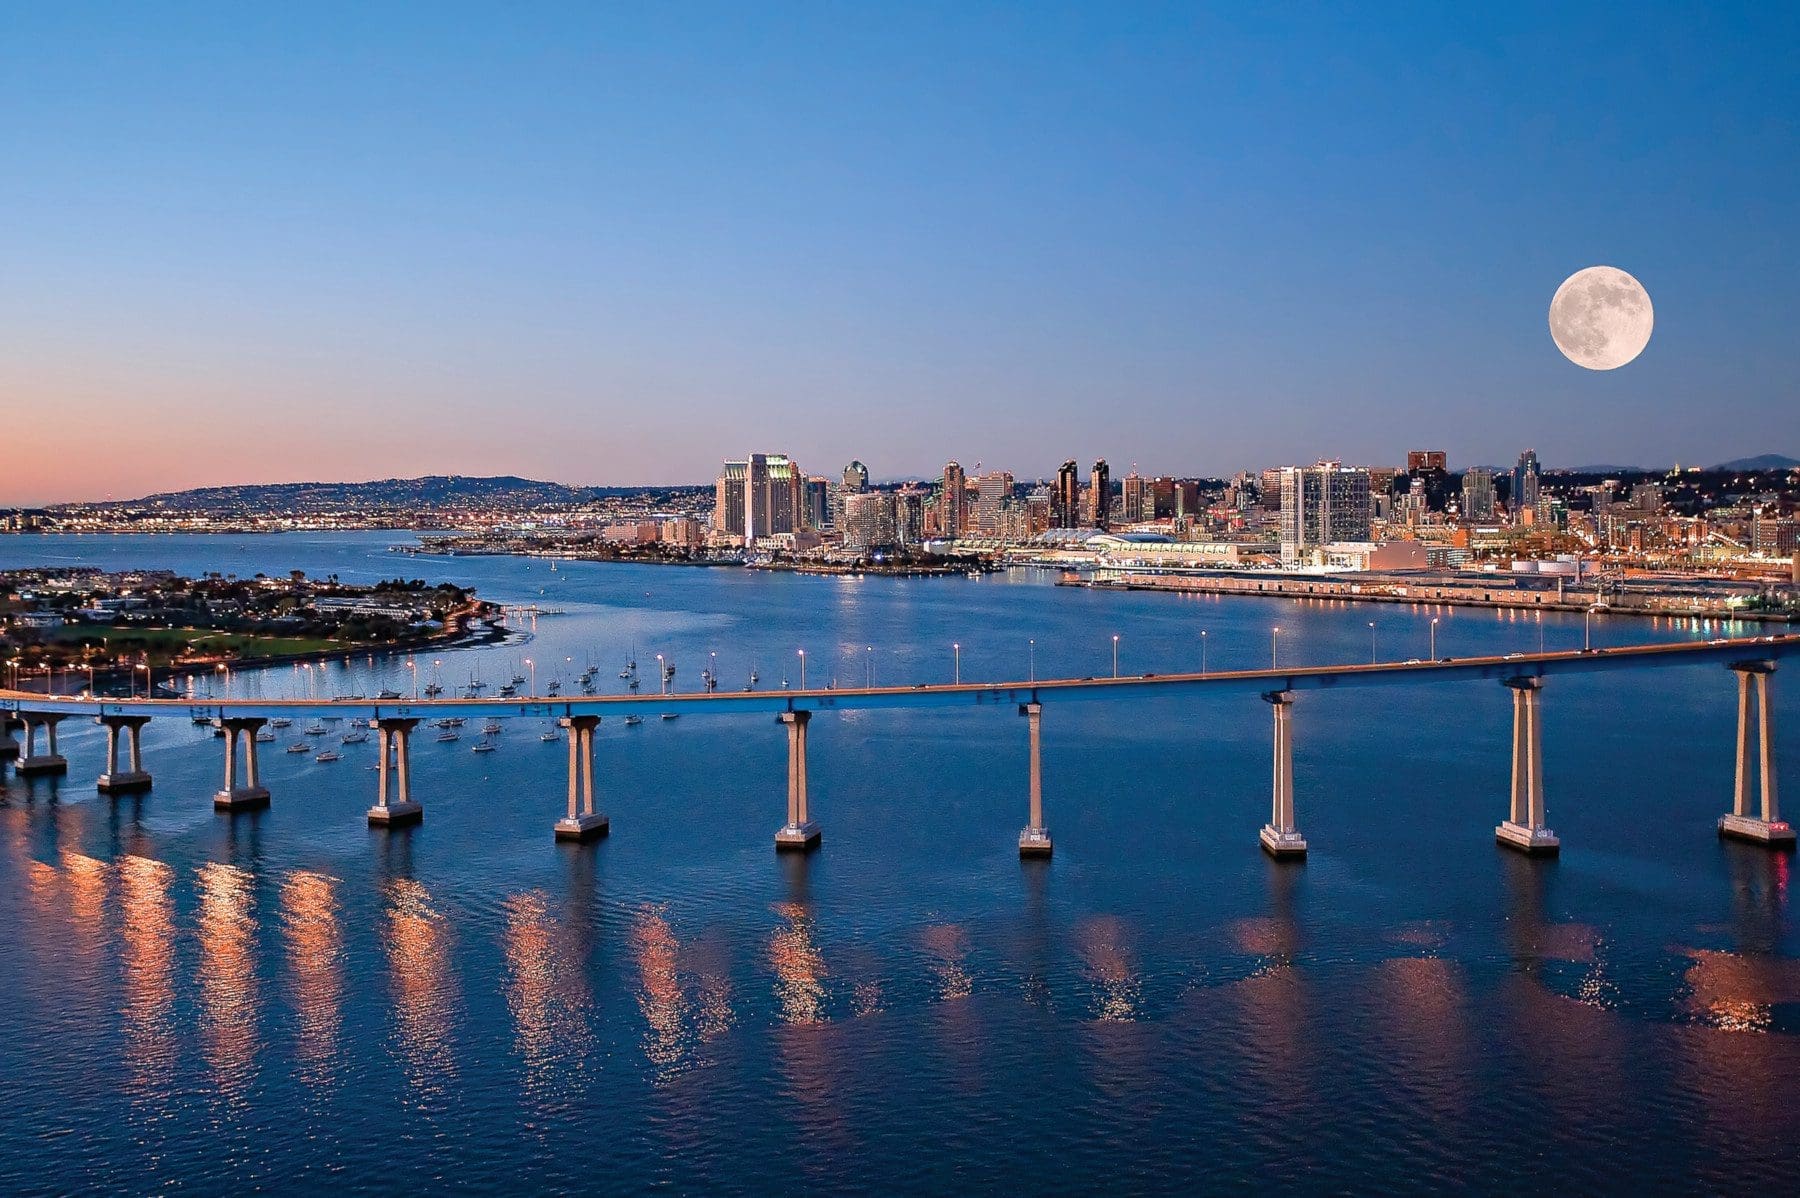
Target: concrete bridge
pixel 1755 814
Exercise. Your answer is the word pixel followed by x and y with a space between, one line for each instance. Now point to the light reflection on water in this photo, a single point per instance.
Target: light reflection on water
pixel 230 993
pixel 292 1001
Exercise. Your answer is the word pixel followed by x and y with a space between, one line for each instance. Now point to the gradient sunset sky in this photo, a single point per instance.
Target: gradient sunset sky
pixel 613 244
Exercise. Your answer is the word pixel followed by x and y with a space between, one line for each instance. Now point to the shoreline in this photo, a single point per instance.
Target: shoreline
pixel 1427 594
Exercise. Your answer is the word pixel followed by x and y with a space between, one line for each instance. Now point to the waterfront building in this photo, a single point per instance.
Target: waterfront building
pixel 1065 496
pixel 1772 536
pixel 1524 486
pixel 909 514
pixel 819 512
pixel 993 490
pixel 1477 495
pixel 953 501
pixel 1137 506
pixel 760 496
pixel 869 521
pixel 728 499
pixel 1099 495
pixel 1322 504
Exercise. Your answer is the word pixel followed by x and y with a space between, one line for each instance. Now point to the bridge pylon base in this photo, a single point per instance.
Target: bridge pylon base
pixel 1536 842
pixel 124 782
pixel 1034 842
pixel 1279 844
pixel 41 765
pixel 798 838
pixel 1758 831
pixel 582 828
pixel 395 815
pixel 241 798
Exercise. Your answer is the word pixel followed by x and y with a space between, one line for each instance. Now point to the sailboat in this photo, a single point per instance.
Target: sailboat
pixel 487 744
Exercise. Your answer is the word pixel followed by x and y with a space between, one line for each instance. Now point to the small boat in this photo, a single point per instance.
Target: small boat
pixel 386 696
pixel 632 721
pixel 492 728
pixel 518 680
pixel 455 723
pixel 203 720
pixel 671 715
pixel 329 755
pixel 555 688
pixel 315 729
pixel 508 691
pixel 449 735
pixel 282 723
pixel 358 737
pixel 549 738
pixel 265 735
pixel 486 746
pixel 433 691
pixel 299 746
pixel 634 684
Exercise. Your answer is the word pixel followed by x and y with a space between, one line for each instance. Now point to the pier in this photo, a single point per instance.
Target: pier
pixel 1751 660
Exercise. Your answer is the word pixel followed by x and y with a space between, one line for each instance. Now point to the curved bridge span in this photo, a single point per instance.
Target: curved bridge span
pixel 1752 659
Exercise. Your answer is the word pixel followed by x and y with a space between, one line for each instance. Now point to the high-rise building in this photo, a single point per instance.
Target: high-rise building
pixel 1477 494
pixel 1065 496
pixel 728 499
pixel 869 520
pixel 1099 495
pixel 856 478
pixel 953 501
pixel 818 502
pixel 1136 500
pixel 1322 504
pixel 909 515
pixel 1420 460
pixel 1524 485
pixel 993 490
pixel 760 496
pixel 1269 491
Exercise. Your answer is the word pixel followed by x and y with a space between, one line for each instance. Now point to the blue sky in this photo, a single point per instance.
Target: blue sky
pixel 606 244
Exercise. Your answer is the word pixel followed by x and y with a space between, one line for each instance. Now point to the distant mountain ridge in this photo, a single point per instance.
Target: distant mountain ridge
pixel 430 491
pixel 1762 461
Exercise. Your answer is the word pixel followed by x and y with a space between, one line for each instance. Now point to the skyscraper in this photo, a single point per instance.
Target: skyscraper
pixel 1524 485
pixel 1322 504
pixel 869 520
pixel 993 490
pixel 953 511
pixel 1478 494
pixel 1065 496
pixel 1137 503
pixel 1420 460
pixel 761 496
pixel 818 503
pixel 856 478
pixel 1100 495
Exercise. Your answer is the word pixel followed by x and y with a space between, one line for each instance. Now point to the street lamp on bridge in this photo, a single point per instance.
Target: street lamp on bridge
pixel 1274 634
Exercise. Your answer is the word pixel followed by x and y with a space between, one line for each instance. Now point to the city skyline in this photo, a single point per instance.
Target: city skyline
pixel 555 244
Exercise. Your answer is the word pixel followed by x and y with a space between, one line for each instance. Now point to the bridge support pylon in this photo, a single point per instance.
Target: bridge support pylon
pixel 1769 828
pixel 1034 841
pixel 1280 838
pixel 1524 828
pixel 31 763
pixel 9 724
pixel 799 834
pixel 116 781
pixel 394 806
pixel 584 823
pixel 252 795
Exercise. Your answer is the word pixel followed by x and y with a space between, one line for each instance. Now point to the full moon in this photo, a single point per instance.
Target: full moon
pixel 1601 318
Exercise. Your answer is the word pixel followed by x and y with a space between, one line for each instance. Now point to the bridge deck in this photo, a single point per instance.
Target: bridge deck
pixel 1765 648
